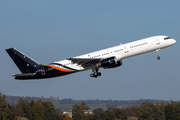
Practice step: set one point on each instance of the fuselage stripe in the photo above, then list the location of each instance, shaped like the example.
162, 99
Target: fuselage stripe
60, 69
64, 66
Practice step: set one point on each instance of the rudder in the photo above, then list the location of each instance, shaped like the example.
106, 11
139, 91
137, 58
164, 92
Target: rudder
23, 62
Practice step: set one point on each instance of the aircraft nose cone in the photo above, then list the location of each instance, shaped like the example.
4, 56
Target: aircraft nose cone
173, 41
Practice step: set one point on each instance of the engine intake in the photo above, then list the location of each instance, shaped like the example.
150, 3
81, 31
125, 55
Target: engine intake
110, 63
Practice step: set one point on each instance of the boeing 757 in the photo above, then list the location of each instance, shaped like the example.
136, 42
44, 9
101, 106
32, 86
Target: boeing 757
107, 58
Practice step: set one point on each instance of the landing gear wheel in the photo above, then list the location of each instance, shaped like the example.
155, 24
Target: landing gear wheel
95, 74
91, 75
158, 57
99, 74
158, 54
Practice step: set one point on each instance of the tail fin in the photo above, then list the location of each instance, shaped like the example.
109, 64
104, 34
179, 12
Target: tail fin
23, 62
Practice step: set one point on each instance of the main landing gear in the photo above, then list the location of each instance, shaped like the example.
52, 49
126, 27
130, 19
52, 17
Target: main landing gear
95, 73
158, 54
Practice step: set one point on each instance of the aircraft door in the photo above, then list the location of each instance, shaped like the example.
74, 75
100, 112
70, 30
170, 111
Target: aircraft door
42, 71
157, 41
126, 49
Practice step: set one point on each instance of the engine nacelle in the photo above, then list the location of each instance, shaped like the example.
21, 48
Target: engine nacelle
110, 63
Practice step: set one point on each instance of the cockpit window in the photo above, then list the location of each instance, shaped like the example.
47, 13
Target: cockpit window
166, 38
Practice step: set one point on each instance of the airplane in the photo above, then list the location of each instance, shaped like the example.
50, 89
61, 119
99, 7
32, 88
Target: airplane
107, 58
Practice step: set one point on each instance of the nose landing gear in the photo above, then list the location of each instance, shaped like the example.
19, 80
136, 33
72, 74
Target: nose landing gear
158, 54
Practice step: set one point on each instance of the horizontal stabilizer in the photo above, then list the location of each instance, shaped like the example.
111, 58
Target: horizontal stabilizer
24, 75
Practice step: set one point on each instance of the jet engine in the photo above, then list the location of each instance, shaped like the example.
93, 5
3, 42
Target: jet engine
110, 63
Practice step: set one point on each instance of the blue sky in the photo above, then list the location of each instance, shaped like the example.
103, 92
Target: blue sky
50, 31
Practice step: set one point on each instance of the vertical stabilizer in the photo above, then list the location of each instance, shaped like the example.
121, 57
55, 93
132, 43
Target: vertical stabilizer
23, 62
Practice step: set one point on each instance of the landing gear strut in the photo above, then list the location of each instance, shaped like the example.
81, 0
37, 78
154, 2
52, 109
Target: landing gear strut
95, 73
158, 54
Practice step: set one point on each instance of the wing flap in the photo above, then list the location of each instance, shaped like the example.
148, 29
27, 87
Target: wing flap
84, 61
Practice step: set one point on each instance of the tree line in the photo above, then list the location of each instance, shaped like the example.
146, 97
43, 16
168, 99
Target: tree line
40, 110
28, 110
13, 100
146, 111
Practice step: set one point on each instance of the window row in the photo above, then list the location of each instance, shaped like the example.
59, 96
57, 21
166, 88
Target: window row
118, 50
99, 55
138, 45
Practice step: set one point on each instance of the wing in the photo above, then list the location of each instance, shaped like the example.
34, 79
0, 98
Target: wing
84, 61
